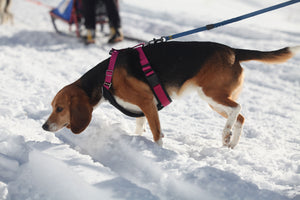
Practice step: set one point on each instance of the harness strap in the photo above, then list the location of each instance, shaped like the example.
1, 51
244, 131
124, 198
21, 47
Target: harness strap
110, 97
110, 70
159, 92
107, 84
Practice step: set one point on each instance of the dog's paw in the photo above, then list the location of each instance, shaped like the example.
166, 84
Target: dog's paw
226, 138
140, 125
234, 141
159, 142
139, 131
231, 145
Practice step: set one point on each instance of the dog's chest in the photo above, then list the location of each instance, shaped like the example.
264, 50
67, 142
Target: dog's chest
128, 106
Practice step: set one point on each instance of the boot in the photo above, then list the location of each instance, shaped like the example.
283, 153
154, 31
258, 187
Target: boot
116, 35
90, 36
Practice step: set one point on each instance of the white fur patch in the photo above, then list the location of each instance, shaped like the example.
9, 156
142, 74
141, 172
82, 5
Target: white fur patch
211, 102
236, 135
294, 50
159, 142
129, 106
53, 127
140, 125
232, 113
184, 90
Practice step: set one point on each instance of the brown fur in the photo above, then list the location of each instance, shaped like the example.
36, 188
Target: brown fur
76, 111
137, 92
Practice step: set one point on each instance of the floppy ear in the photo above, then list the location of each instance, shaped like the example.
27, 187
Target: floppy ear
80, 114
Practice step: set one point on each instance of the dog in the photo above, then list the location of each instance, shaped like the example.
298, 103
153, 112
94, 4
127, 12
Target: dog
5, 14
212, 69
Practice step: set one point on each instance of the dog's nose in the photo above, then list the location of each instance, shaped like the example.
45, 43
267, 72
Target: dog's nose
45, 127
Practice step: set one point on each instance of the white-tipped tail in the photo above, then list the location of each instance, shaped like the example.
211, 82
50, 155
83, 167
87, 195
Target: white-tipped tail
294, 50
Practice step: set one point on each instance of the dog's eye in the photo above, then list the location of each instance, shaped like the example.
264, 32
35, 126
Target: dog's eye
59, 109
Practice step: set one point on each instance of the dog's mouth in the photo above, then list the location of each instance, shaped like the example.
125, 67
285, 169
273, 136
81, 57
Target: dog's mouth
67, 125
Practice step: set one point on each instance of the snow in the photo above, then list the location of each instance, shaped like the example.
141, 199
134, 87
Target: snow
108, 161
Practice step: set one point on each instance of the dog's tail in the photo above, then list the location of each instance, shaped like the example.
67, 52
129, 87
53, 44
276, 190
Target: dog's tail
277, 56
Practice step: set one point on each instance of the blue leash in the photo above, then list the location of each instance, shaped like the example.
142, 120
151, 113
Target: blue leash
229, 21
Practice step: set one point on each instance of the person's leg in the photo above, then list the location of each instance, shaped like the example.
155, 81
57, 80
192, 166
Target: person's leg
114, 21
113, 13
88, 8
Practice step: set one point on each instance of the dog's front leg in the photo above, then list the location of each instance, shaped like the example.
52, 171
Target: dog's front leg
151, 113
138, 93
140, 125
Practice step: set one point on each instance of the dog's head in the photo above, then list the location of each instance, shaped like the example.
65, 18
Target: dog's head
71, 109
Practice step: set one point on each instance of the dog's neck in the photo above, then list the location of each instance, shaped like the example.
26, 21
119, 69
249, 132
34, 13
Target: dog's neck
91, 82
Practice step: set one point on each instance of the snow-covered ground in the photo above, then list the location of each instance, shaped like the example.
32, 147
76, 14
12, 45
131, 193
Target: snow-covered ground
107, 161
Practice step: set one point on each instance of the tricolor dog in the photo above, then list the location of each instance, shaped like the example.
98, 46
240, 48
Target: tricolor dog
211, 69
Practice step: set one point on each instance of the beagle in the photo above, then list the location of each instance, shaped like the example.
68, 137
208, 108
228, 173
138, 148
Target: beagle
5, 14
211, 69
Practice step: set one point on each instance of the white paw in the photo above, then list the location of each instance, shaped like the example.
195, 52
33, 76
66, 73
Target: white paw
234, 141
140, 125
139, 130
232, 144
226, 138
159, 142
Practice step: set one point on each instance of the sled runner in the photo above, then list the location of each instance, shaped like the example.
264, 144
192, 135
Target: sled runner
70, 12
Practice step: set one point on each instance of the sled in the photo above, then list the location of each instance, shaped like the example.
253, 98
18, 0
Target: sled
70, 12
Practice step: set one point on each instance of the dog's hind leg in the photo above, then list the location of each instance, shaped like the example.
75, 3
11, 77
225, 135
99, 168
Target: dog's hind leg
237, 130
230, 110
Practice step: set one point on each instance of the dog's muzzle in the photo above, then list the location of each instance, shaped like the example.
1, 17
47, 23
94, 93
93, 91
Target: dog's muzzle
45, 126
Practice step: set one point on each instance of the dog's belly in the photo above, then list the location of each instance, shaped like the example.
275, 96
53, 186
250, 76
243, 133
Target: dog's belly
174, 93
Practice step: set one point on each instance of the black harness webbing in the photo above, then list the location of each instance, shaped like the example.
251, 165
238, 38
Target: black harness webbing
109, 96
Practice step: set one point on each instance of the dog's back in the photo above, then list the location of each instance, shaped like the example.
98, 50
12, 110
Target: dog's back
174, 62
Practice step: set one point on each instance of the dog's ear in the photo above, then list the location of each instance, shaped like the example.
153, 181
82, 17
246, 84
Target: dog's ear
80, 113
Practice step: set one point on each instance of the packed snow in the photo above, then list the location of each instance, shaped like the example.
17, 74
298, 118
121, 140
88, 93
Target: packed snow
108, 161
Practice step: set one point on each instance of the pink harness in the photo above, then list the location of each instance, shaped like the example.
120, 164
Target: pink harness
159, 92
153, 80
110, 69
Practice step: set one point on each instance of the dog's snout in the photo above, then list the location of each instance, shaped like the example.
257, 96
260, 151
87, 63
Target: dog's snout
45, 126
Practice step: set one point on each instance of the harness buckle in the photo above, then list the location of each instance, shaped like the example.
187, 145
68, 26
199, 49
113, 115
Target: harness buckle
111, 51
107, 84
109, 72
155, 41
